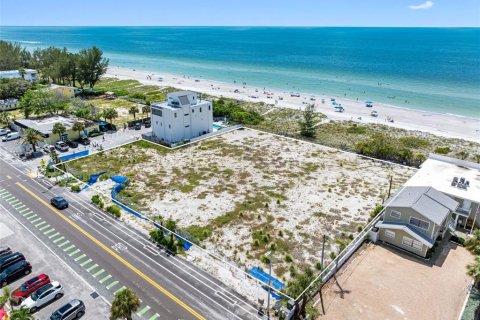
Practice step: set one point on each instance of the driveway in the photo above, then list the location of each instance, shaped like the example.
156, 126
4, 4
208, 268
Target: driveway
383, 283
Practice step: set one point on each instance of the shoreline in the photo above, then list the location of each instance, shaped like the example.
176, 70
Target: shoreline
441, 124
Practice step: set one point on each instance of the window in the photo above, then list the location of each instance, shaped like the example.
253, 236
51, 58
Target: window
187, 126
169, 126
200, 109
157, 112
175, 114
419, 223
193, 110
209, 107
389, 234
395, 214
409, 242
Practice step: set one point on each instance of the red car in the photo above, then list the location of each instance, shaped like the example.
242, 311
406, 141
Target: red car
29, 287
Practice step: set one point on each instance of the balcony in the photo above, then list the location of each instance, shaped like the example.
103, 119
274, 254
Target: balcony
464, 211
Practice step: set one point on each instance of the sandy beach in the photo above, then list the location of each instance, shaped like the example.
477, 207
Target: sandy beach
440, 124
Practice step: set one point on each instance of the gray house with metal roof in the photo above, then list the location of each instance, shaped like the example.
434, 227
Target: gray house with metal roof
415, 217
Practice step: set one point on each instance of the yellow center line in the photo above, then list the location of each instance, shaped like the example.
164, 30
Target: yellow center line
115, 255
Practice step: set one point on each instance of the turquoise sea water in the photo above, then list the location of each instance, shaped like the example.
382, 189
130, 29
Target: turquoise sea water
432, 69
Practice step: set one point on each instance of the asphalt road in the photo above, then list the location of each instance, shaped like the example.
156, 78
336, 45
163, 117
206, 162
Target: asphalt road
110, 256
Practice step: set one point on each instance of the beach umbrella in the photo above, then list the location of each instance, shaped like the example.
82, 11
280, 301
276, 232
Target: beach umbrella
369, 101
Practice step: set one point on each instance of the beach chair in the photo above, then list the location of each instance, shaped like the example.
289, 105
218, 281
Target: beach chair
454, 181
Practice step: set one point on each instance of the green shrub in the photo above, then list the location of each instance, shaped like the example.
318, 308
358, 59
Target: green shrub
356, 129
414, 142
442, 150
120, 92
114, 210
104, 177
265, 259
75, 188
318, 266
93, 134
96, 199
332, 255
200, 233
288, 258
376, 211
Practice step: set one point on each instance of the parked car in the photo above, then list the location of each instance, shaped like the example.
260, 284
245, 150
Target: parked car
8, 260
5, 251
15, 271
148, 124
138, 126
61, 146
59, 203
28, 287
46, 294
374, 113
4, 131
84, 140
72, 144
75, 309
48, 148
11, 136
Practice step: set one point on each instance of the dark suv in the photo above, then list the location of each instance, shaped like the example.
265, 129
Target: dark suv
75, 309
5, 251
15, 271
8, 260
59, 202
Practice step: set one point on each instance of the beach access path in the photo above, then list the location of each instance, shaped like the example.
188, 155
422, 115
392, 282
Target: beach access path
446, 125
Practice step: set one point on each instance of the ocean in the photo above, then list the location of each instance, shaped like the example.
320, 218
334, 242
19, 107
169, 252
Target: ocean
431, 69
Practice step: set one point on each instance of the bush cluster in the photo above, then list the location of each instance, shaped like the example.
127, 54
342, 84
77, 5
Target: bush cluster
236, 113
114, 210
96, 200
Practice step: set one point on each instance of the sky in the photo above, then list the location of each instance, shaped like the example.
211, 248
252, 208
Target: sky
383, 13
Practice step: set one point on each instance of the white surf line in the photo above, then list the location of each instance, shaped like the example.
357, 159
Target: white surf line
166, 269
58, 257
185, 264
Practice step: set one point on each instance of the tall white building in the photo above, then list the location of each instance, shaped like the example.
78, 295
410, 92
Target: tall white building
182, 117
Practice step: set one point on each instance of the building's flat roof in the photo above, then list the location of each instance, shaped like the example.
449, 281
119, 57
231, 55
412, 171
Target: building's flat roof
439, 171
44, 125
8, 101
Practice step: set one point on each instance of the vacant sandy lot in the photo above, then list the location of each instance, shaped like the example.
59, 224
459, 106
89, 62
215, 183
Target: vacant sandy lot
382, 283
246, 193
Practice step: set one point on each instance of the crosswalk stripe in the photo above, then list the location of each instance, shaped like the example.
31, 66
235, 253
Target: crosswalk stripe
74, 252
49, 231
23, 210
92, 267
18, 206
98, 273
69, 248
105, 279
141, 312
53, 235
31, 217
63, 243
80, 257
155, 316
120, 289
39, 224
44, 227
9, 198
113, 284
36, 220
85, 262
58, 239
28, 214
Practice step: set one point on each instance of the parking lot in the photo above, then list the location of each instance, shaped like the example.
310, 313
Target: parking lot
384, 283
18, 238
106, 141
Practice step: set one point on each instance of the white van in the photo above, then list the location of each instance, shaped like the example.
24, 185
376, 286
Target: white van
11, 136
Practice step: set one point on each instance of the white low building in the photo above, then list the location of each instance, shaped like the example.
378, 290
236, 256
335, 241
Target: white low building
29, 74
182, 117
9, 104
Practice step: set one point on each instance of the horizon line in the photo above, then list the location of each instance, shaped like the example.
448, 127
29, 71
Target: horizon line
235, 26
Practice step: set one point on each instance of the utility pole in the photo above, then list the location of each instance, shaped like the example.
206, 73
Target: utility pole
269, 284
390, 186
320, 291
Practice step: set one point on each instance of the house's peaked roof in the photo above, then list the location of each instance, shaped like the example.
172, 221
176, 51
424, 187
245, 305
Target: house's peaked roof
408, 229
427, 201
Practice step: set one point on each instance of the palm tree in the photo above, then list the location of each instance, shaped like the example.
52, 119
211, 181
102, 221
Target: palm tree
31, 137
6, 295
110, 114
146, 109
59, 128
124, 304
4, 117
473, 243
78, 126
21, 314
477, 157
133, 111
473, 269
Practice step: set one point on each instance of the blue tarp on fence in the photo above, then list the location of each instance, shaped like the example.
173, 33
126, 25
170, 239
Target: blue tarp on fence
93, 179
73, 155
264, 277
